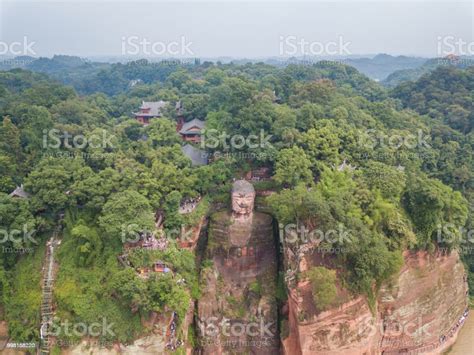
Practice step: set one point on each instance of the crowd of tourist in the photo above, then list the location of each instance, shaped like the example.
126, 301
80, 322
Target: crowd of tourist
173, 343
189, 205
150, 242
454, 329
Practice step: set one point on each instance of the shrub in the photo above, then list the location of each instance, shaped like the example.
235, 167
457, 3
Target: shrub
323, 282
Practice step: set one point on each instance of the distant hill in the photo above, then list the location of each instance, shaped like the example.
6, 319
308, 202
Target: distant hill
377, 68
382, 65
400, 76
56, 64
70, 70
444, 94
82, 73
42, 64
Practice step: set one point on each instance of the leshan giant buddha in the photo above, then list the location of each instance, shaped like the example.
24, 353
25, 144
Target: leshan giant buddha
242, 249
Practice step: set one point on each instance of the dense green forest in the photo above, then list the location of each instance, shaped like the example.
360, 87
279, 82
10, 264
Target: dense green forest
395, 167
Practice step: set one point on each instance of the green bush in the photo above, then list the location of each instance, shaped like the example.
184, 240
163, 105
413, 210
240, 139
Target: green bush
323, 283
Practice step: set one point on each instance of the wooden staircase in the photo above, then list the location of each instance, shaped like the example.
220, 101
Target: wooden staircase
47, 312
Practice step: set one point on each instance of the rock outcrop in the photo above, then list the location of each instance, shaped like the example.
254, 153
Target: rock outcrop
419, 311
237, 312
423, 309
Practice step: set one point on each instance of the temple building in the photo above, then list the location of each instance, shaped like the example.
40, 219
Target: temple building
191, 131
19, 192
345, 166
149, 110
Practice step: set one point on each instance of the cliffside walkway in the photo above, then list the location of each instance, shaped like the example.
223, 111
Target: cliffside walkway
420, 349
47, 312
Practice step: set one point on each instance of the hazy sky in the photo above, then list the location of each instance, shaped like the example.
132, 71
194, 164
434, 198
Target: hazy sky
230, 28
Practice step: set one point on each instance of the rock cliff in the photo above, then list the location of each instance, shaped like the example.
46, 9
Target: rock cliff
420, 311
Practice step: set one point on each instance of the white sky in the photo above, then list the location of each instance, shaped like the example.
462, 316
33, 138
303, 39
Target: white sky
231, 28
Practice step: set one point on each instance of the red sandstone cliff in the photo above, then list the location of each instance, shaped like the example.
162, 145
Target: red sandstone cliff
420, 311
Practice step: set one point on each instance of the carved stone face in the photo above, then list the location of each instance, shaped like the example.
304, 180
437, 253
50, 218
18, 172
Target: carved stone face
242, 203
243, 196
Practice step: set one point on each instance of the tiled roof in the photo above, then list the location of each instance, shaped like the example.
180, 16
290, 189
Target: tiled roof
198, 157
187, 127
154, 107
19, 192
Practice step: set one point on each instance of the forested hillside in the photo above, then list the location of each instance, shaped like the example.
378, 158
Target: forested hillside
395, 168
444, 95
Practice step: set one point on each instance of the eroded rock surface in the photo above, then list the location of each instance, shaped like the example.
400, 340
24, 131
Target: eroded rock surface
420, 311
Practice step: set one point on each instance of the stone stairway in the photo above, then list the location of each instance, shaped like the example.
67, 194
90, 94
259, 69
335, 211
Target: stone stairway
47, 312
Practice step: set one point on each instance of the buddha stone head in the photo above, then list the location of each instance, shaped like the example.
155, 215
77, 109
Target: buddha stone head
243, 196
